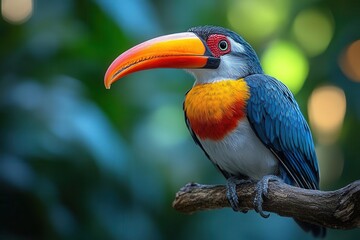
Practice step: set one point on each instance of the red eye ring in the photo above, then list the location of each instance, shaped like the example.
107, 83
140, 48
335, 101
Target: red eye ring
218, 44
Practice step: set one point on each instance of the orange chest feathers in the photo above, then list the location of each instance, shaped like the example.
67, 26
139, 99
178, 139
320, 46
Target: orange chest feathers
215, 109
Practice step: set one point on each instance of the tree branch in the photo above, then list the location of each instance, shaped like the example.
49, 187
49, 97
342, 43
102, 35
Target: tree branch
339, 209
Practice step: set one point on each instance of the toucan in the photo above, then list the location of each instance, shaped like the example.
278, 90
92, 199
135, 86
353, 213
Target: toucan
247, 123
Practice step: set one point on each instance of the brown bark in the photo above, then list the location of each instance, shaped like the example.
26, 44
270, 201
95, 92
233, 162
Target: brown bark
339, 209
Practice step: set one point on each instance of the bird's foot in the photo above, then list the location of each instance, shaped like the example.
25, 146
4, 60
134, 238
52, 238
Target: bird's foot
231, 193
262, 191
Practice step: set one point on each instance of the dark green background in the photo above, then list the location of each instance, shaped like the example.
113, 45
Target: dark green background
80, 162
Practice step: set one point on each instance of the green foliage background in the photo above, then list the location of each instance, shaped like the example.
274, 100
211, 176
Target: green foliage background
80, 162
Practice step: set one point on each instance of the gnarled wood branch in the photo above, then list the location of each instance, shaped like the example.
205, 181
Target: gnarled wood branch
339, 209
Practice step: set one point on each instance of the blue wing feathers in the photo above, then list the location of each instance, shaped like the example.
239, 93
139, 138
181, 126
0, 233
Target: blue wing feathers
277, 120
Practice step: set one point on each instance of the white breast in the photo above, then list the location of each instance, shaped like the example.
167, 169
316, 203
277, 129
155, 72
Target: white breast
242, 152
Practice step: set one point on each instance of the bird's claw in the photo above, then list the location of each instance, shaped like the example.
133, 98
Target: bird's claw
231, 193
262, 191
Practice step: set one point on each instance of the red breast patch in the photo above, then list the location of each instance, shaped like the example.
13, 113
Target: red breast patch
214, 109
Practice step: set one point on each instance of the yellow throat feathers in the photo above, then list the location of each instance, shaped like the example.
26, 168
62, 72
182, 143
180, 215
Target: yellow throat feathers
214, 109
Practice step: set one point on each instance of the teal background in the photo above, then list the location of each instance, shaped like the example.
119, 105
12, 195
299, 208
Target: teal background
78, 161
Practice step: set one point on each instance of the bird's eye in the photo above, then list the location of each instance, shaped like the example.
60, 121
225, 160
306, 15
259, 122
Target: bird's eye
223, 45
219, 44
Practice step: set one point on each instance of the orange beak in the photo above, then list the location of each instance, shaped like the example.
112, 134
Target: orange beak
180, 50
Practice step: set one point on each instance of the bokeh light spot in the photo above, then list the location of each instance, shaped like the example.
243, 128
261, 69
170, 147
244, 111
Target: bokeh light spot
16, 11
287, 63
313, 30
257, 19
350, 61
327, 107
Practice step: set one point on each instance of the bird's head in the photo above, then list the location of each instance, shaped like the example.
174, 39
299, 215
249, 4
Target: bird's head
210, 53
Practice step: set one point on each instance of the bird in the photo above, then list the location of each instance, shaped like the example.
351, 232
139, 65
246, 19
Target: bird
247, 123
